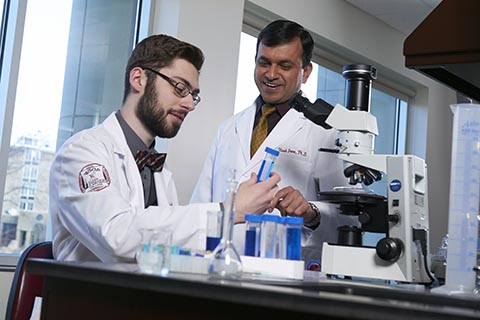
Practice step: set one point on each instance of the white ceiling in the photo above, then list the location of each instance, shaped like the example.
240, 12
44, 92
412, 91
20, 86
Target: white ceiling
402, 15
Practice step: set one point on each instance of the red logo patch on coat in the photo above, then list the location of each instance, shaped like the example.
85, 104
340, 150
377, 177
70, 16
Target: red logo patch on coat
93, 177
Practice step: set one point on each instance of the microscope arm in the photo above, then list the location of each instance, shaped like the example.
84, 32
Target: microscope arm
376, 162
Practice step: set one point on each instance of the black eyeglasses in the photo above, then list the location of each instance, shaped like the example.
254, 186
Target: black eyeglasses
180, 88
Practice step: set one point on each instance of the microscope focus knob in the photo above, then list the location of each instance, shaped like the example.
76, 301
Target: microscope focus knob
389, 249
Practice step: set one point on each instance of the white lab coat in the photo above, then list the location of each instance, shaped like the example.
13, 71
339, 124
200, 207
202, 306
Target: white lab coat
103, 225
299, 163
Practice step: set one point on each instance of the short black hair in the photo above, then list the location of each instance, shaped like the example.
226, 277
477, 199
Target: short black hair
159, 51
284, 31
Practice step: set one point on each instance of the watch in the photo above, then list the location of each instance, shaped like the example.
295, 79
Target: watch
315, 222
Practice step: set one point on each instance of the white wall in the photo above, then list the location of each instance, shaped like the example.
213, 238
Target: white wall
215, 26
5, 284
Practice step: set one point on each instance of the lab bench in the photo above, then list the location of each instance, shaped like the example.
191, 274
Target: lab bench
92, 290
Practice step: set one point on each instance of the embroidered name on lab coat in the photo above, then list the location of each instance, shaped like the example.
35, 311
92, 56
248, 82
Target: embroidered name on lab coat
93, 177
288, 150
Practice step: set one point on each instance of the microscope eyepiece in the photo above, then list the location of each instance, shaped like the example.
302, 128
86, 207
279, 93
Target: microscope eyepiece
359, 82
316, 112
298, 102
359, 70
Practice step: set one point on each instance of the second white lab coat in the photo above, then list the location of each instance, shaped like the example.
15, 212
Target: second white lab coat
299, 164
97, 203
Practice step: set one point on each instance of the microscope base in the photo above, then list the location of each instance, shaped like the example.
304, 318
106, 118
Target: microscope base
361, 262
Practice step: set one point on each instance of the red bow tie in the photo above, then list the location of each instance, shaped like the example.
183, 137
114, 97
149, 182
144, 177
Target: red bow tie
150, 159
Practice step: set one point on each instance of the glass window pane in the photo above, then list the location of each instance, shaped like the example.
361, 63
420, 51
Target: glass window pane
331, 86
384, 107
246, 89
70, 78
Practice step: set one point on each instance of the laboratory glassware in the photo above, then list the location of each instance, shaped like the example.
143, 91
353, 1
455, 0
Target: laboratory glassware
464, 201
225, 261
267, 164
269, 239
214, 229
154, 254
252, 234
293, 226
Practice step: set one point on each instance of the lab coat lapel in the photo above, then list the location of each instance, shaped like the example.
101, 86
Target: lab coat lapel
122, 150
243, 131
291, 123
165, 188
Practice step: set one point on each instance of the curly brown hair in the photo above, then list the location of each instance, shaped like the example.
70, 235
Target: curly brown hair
159, 51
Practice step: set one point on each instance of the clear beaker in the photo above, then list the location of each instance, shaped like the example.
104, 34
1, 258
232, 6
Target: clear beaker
154, 254
464, 201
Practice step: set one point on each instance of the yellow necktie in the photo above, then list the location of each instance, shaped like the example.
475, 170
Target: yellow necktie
261, 130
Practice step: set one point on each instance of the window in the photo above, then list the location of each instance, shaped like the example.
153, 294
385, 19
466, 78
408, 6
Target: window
63, 74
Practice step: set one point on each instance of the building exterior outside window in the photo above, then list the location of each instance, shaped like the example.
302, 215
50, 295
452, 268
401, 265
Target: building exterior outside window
69, 69
25, 202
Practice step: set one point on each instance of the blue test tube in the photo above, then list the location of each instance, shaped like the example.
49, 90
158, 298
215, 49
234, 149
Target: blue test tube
252, 235
267, 164
294, 237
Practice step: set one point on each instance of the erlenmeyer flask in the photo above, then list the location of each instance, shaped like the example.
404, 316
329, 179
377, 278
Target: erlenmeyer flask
225, 260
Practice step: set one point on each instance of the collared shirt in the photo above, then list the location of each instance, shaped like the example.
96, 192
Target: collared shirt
135, 143
274, 118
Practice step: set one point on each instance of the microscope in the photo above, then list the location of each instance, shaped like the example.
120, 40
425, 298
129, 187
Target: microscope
401, 217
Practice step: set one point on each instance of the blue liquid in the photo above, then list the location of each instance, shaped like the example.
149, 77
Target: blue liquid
263, 173
212, 243
250, 236
294, 249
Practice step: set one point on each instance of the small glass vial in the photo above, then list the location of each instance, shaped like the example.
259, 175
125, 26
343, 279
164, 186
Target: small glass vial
252, 235
293, 226
268, 241
267, 164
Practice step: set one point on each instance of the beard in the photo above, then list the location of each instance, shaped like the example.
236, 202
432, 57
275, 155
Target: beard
155, 119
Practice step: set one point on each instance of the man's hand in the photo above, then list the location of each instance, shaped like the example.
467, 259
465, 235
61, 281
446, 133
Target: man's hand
255, 198
290, 202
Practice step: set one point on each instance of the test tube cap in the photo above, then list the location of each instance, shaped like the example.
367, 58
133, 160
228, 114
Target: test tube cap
270, 217
276, 153
294, 220
253, 218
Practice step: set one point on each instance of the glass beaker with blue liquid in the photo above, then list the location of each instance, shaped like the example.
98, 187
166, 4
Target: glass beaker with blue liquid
267, 164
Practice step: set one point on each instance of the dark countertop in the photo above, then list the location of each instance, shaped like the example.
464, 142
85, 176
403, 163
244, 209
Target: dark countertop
315, 295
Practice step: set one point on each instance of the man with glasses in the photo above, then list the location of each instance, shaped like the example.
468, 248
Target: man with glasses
107, 182
282, 65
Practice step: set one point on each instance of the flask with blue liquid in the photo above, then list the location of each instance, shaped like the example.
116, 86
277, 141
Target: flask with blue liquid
267, 164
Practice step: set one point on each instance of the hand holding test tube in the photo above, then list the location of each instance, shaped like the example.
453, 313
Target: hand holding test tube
267, 164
